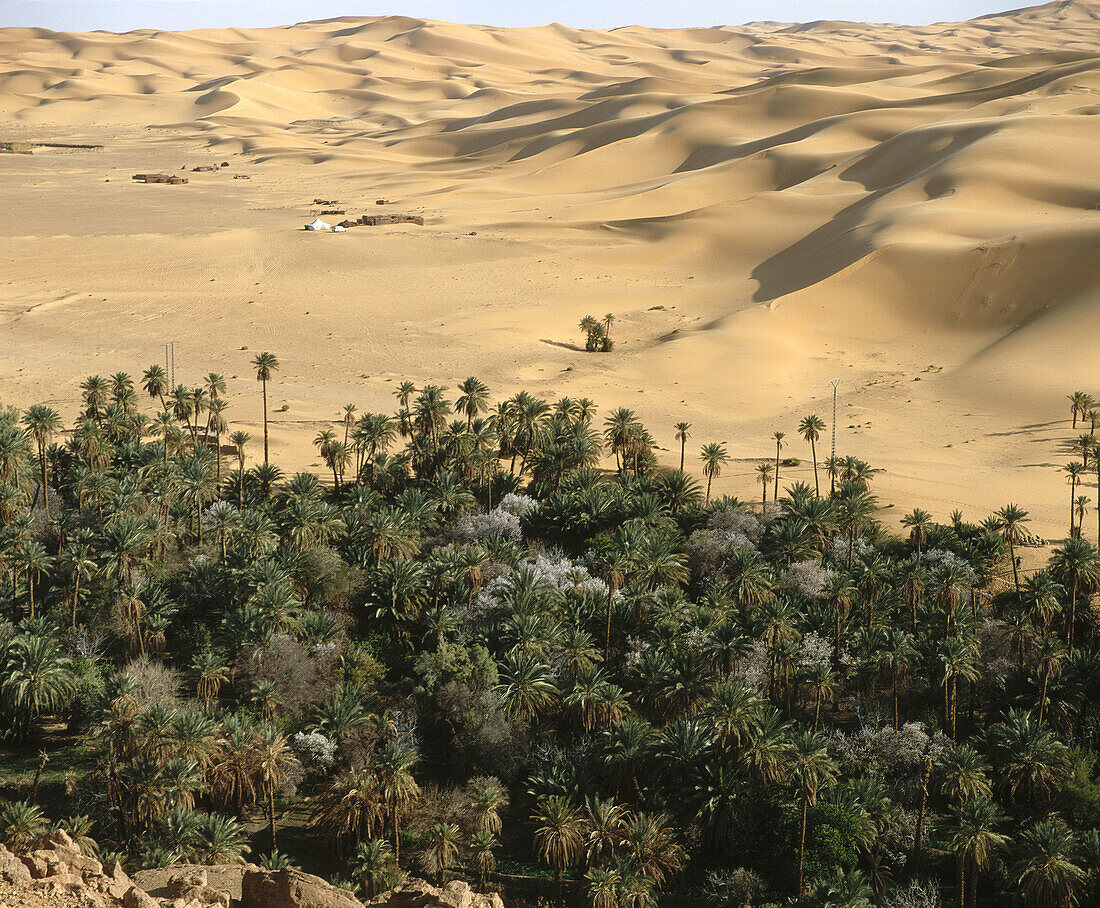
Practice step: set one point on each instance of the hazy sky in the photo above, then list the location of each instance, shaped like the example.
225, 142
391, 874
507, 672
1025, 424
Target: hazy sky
121, 15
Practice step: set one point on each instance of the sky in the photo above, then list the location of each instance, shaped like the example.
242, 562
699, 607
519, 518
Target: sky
123, 15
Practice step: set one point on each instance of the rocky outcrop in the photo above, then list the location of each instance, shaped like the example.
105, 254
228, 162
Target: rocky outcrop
292, 889
212, 884
12, 870
56, 873
415, 893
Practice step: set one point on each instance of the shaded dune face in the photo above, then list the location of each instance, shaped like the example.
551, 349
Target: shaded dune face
829, 187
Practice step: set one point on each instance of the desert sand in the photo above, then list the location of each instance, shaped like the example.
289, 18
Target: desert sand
913, 210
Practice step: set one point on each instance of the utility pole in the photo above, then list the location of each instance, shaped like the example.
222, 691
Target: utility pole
170, 363
834, 384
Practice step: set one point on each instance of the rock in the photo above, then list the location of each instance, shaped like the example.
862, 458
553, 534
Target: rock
62, 839
192, 878
61, 859
292, 889
118, 883
206, 896
13, 870
139, 898
414, 893
36, 864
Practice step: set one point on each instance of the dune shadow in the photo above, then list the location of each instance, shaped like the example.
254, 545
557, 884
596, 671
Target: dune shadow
564, 346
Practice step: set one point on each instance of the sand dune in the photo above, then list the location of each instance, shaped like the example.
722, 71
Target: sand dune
764, 208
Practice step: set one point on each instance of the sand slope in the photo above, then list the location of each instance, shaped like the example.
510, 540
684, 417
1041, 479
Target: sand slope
764, 208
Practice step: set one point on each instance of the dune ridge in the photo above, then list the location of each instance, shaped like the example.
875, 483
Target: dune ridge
764, 207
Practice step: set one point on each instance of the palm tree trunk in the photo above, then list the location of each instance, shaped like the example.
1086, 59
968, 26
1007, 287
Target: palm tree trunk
1043, 692
710, 478
972, 883
813, 454
1072, 495
1015, 570
961, 867
1072, 616
802, 843
76, 595
264, 383
45, 489
271, 814
775, 497
607, 641
683, 446
918, 840
396, 837
954, 704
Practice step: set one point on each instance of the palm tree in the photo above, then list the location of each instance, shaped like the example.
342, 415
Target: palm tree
94, 389
155, 383
1047, 872
778, 436
1011, 520
1080, 506
1073, 471
274, 760
32, 559
239, 439
43, 423
1042, 599
21, 823
714, 457
398, 789
604, 887
612, 564
37, 678
374, 864
473, 401
351, 808
812, 768
482, 846
959, 659
527, 685
1076, 565
266, 364
810, 429
845, 889
975, 842
220, 840
764, 469
1080, 403
487, 799
80, 561
441, 853
917, 522
1049, 658
216, 423
211, 672
895, 659
965, 774
559, 833
682, 435
1027, 756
